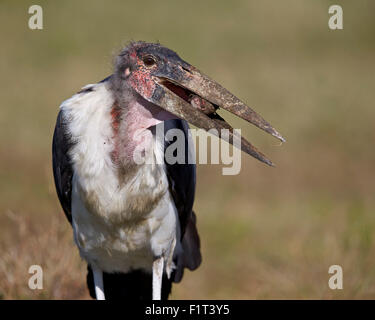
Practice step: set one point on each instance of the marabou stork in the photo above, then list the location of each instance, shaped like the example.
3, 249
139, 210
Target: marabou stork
134, 223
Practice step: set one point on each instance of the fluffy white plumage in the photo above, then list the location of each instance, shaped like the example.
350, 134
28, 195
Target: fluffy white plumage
113, 229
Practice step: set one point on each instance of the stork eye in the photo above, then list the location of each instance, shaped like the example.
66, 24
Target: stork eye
149, 61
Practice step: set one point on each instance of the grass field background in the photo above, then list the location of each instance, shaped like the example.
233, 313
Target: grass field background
265, 233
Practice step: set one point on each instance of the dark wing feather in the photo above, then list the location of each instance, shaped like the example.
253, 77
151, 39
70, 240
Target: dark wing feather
62, 168
182, 181
182, 177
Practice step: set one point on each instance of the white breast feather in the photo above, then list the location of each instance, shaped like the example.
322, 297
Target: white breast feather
117, 226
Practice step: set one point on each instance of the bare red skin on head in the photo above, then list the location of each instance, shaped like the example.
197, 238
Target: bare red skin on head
133, 54
141, 79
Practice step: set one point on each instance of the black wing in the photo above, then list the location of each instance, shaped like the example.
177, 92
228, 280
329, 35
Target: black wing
62, 168
182, 181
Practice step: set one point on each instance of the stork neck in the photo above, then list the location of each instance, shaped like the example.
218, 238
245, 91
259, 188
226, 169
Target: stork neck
131, 124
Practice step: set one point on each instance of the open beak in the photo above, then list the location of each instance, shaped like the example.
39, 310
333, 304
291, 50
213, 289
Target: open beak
194, 97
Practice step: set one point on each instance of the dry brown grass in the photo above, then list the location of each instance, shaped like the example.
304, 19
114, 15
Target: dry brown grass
49, 246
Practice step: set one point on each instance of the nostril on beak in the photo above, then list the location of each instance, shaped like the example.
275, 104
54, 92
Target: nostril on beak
185, 69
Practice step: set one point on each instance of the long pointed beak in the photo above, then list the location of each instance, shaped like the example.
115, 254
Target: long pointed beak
174, 94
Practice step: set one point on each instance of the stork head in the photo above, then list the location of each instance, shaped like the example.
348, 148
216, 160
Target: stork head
160, 76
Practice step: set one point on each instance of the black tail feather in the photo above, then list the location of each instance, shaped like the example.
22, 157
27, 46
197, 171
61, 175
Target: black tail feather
190, 257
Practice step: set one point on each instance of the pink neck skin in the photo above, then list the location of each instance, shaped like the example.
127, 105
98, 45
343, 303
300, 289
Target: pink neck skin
132, 130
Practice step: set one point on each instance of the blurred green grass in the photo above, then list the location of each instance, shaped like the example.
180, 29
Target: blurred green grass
266, 233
